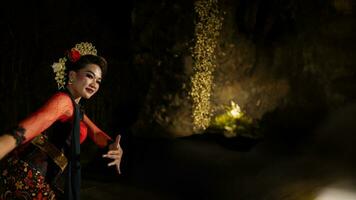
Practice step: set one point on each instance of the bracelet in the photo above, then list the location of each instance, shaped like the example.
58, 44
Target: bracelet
19, 134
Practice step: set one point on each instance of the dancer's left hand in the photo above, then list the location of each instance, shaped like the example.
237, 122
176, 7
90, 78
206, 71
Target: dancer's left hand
115, 152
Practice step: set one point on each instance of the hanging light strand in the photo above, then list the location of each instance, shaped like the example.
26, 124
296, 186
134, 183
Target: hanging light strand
207, 31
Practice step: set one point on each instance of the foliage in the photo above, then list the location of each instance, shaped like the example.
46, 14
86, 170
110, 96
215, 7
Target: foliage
234, 123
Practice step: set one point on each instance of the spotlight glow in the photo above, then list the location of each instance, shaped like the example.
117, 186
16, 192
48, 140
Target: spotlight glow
336, 194
235, 111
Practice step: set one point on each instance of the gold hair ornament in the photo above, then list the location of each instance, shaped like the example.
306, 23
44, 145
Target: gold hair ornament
59, 68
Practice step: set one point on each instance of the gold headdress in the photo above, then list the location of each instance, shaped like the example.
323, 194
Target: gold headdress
59, 68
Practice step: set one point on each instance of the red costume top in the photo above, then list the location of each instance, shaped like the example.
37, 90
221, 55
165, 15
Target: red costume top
41, 164
60, 107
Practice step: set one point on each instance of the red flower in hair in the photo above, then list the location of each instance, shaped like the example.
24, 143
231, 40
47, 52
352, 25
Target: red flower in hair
74, 55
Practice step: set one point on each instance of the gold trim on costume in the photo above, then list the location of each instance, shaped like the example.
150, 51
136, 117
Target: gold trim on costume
52, 151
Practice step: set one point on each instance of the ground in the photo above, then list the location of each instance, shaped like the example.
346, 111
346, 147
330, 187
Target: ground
203, 168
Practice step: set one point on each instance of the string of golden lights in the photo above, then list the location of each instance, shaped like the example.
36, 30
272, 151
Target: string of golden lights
207, 31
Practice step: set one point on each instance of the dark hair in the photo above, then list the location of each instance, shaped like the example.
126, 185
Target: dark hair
86, 60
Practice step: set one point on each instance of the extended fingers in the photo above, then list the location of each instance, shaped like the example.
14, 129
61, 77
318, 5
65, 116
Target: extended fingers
112, 156
115, 146
114, 152
117, 141
116, 162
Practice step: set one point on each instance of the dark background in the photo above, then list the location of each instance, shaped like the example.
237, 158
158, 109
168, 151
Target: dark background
295, 55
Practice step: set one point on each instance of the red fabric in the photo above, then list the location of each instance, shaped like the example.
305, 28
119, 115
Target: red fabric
83, 132
96, 134
60, 107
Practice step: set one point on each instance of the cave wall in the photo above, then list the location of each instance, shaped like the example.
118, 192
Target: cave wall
286, 63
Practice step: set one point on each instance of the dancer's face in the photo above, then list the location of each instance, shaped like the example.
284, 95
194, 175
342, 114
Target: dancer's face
86, 81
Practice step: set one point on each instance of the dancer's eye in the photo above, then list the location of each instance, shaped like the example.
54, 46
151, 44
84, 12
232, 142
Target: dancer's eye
89, 76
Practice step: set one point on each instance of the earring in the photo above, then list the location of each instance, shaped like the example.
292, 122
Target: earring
70, 81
